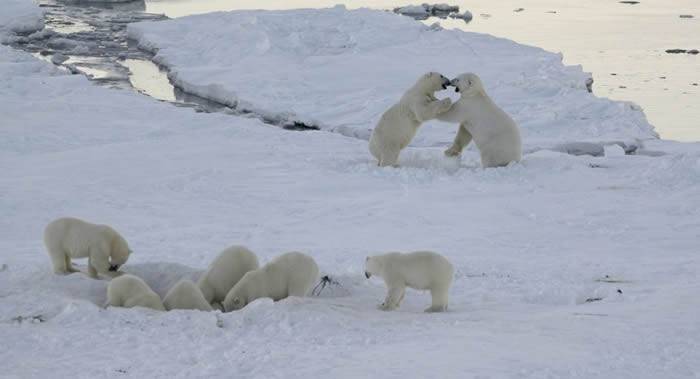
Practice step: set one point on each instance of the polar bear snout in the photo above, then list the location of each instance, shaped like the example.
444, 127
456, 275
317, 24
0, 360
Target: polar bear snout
445, 82
113, 268
454, 83
367, 275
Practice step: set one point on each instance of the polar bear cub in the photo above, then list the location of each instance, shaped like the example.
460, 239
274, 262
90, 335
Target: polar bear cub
186, 295
69, 238
225, 271
421, 270
399, 124
130, 291
290, 274
494, 132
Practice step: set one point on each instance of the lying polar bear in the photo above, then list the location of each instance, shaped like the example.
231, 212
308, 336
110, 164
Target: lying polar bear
290, 274
186, 295
421, 270
69, 238
494, 132
225, 271
399, 124
130, 291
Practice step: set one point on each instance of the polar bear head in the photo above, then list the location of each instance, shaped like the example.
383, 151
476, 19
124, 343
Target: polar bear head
239, 296
119, 252
373, 266
431, 82
468, 84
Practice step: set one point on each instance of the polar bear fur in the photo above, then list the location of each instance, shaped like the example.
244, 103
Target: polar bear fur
290, 274
494, 132
399, 124
186, 295
130, 291
69, 238
421, 270
225, 271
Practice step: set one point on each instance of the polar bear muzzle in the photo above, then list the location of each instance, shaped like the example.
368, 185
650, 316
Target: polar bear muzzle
113, 268
453, 83
367, 275
445, 82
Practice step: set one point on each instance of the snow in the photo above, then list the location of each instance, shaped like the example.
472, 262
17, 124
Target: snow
341, 69
19, 16
534, 244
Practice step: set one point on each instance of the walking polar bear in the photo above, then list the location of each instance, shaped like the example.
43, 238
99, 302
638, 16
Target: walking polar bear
225, 271
186, 295
130, 291
399, 124
494, 132
290, 274
69, 238
421, 270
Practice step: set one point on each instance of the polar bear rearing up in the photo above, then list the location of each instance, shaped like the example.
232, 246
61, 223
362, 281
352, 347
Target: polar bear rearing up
494, 132
399, 124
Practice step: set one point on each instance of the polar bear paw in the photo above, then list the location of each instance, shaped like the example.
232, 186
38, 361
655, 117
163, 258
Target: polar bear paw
444, 105
385, 307
441, 308
453, 151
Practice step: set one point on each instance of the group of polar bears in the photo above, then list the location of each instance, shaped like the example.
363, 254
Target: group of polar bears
494, 132
235, 278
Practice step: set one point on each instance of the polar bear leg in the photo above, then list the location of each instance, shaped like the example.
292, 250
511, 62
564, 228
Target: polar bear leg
431, 110
69, 266
439, 296
393, 298
58, 260
461, 140
92, 272
389, 157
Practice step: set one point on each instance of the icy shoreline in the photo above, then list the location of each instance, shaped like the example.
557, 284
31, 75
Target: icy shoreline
241, 58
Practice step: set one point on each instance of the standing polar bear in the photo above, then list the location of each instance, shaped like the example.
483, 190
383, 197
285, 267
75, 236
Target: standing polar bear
421, 270
290, 274
130, 291
225, 271
399, 124
186, 295
494, 132
69, 238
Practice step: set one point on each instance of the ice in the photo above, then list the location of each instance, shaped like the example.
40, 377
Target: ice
534, 244
340, 69
19, 16
614, 151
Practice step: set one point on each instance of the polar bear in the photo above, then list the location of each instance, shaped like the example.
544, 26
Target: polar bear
68, 238
399, 124
421, 270
130, 291
186, 295
225, 271
290, 274
494, 132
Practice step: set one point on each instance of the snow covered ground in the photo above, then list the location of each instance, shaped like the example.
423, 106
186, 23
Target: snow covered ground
341, 69
534, 244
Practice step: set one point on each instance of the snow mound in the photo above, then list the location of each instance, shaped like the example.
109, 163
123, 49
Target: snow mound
341, 69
